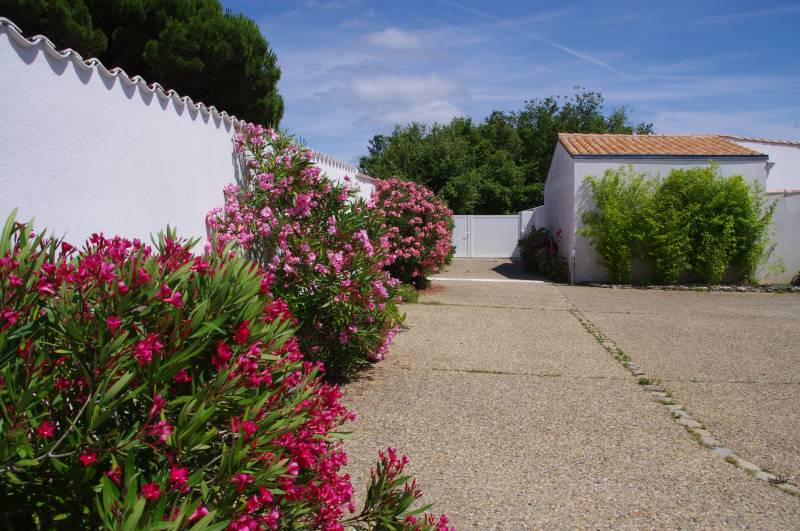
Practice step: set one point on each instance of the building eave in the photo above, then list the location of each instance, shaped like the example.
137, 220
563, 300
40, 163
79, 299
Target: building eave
743, 158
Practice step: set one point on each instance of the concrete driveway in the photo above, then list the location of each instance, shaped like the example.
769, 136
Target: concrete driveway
515, 417
732, 359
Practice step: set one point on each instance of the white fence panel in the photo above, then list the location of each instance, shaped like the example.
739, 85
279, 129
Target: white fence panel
486, 236
494, 236
461, 236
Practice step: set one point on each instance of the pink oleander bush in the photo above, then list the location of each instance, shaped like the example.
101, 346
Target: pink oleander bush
420, 228
325, 249
150, 388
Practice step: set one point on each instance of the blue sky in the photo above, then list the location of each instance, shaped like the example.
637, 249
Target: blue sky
353, 68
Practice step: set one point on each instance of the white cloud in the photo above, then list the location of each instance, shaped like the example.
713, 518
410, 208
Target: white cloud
395, 39
747, 15
331, 4
406, 88
429, 112
365, 19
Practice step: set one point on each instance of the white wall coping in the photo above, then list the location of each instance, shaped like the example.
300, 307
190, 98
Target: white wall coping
70, 55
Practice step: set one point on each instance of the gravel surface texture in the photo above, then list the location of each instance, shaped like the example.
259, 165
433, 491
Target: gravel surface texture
516, 418
733, 359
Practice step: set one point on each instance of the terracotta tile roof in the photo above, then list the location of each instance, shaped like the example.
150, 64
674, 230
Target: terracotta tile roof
795, 143
604, 145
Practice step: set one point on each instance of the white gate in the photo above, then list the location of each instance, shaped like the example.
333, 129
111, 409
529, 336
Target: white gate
486, 236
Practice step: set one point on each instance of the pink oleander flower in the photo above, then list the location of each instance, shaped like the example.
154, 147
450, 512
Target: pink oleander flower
151, 491
178, 478
161, 430
242, 333
182, 376
198, 513
113, 323
241, 480
158, 405
88, 458
46, 430
170, 297
115, 475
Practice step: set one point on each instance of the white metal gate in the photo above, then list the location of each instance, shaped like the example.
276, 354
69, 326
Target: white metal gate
486, 236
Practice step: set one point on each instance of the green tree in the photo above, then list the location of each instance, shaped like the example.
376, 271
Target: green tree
499, 165
66, 22
191, 46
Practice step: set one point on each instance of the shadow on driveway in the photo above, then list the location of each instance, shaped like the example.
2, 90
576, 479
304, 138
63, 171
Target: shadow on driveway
488, 268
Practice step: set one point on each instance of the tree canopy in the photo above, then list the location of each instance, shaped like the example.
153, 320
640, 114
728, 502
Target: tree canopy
497, 166
192, 46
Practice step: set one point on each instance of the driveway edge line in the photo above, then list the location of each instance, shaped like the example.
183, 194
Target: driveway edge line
681, 417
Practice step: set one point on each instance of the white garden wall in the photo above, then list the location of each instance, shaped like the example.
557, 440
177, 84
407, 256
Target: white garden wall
338, 171
85, 149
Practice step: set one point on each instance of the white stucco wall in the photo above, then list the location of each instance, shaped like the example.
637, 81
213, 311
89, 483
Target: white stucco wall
785, 159
83, 149
337, 170
559, 199
786, 235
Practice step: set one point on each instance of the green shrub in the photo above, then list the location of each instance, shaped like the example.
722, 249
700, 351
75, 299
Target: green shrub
706, 223
694, 220
615, 227
408, 293
539, 251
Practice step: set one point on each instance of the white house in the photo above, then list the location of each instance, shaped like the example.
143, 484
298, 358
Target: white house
784, 158
578, 156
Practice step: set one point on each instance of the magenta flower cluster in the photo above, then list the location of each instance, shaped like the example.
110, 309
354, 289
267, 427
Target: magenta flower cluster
420, 229
325, 250
145, 385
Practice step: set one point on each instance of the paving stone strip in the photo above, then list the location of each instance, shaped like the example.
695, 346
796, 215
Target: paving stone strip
763, 288
677, 411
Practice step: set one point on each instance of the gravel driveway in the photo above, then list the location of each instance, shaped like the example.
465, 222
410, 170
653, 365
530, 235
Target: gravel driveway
515, 418
732, 359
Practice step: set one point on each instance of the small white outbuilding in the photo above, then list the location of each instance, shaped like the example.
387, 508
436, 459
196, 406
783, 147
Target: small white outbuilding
578, 156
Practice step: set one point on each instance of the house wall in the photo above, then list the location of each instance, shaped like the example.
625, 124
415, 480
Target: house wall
785, 173
559, 200
786, 235
587, 262
532, 218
